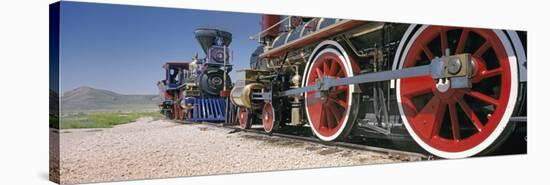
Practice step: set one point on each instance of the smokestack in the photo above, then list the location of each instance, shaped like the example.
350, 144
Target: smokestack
207, 36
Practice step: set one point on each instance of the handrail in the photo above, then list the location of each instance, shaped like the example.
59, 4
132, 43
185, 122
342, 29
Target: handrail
253, 37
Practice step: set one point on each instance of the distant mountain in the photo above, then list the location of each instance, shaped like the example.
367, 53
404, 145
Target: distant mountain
88, 99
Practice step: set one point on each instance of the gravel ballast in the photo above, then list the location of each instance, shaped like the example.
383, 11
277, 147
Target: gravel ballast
159, 149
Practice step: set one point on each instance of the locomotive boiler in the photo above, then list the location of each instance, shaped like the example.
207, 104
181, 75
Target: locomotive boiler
455, 91
196, 91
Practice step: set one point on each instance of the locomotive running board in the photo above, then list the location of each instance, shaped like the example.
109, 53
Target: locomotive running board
456, 68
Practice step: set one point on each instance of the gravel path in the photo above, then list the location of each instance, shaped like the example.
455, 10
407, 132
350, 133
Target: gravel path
159, 149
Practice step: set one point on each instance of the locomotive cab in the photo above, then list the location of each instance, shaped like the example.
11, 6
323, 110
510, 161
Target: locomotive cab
175, 74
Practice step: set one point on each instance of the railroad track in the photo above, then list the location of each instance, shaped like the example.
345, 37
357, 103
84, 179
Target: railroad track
304, 136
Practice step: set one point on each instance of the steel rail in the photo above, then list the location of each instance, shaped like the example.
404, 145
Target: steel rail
380, 150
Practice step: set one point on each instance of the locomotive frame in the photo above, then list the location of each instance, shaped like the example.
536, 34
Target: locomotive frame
455, 91
469, 84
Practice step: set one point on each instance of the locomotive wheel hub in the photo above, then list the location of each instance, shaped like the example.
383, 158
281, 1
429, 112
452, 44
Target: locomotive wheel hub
443, 85
454, 66
443, 88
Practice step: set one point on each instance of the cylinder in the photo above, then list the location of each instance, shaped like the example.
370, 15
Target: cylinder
267, 22
242, 95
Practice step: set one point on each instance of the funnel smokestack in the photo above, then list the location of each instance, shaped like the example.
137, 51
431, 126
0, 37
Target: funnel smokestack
207, 37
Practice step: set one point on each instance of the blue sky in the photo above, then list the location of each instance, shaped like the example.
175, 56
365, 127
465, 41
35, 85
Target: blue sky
122, 48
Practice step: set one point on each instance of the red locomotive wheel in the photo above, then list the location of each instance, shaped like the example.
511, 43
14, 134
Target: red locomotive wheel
268, 119
329, 113
455, 123
244, 120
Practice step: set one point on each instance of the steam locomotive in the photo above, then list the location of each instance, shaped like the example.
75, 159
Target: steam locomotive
456, 91
194, 91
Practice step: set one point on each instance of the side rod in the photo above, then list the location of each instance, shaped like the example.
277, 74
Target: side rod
327, 82
456, 68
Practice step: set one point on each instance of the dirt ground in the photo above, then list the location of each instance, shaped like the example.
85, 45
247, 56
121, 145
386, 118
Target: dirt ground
158, 149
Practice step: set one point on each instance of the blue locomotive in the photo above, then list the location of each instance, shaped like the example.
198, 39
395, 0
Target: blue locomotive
196, 91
